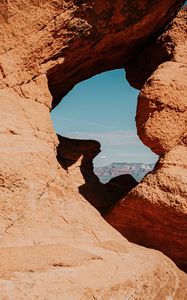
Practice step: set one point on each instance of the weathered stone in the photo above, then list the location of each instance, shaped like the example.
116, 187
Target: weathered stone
120, 186
162, 108
154, 214
53, 243
76, 156
75, 149
169, 46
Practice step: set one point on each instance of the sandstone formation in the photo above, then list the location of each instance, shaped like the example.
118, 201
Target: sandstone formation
76, 156
53, 243
72, 150
169, 46
120, 186
154, 214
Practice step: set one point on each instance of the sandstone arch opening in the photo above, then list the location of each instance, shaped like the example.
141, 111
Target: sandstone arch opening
87, 56
102, 108
53, 243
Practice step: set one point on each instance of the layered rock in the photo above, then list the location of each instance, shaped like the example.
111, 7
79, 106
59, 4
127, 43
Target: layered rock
154, 214
53, 243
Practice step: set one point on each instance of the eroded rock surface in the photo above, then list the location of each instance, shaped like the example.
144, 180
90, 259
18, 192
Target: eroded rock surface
76, 156
72, 40
120, 186
53, 243
154, 214
169, 46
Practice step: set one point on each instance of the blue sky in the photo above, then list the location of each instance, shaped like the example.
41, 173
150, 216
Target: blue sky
103, 108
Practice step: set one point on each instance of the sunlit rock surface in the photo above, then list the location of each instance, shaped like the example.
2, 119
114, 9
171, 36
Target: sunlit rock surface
53, 243
154, 214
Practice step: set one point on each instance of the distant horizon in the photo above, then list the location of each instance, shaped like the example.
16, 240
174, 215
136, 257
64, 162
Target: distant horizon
129, 163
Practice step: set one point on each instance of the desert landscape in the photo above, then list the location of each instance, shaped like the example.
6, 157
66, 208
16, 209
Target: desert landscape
64, 235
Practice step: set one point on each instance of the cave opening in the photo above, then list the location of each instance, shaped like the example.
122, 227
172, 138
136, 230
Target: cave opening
102, 109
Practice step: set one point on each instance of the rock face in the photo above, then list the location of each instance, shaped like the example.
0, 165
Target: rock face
70, 41
120, 186
53, 243
154, 214
76, 156
70, 151
169, 46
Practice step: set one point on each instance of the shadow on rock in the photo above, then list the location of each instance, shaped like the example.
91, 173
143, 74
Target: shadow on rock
76, 157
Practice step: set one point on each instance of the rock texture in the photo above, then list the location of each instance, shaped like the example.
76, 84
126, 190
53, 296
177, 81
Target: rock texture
161, 112
53, 243
154, 214
169, 46
120, 186
72, 40
76, 156
162, 108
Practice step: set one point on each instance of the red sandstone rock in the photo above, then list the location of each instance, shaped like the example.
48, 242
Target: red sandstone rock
171, 45
76, 156
53, 243
120, 186
74, 149
154, 214
162, 108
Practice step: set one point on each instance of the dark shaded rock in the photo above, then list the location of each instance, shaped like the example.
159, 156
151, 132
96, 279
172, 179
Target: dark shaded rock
154, 214
120, 186
160, 50
76, 157
73, 149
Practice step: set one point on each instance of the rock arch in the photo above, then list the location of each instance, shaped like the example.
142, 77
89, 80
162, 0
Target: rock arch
51, 45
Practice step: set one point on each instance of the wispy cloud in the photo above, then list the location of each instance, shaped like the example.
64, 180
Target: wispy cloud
68, 121
130, 154
116, 146
108, 138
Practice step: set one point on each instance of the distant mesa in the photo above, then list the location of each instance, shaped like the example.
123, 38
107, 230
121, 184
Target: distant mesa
137, 170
